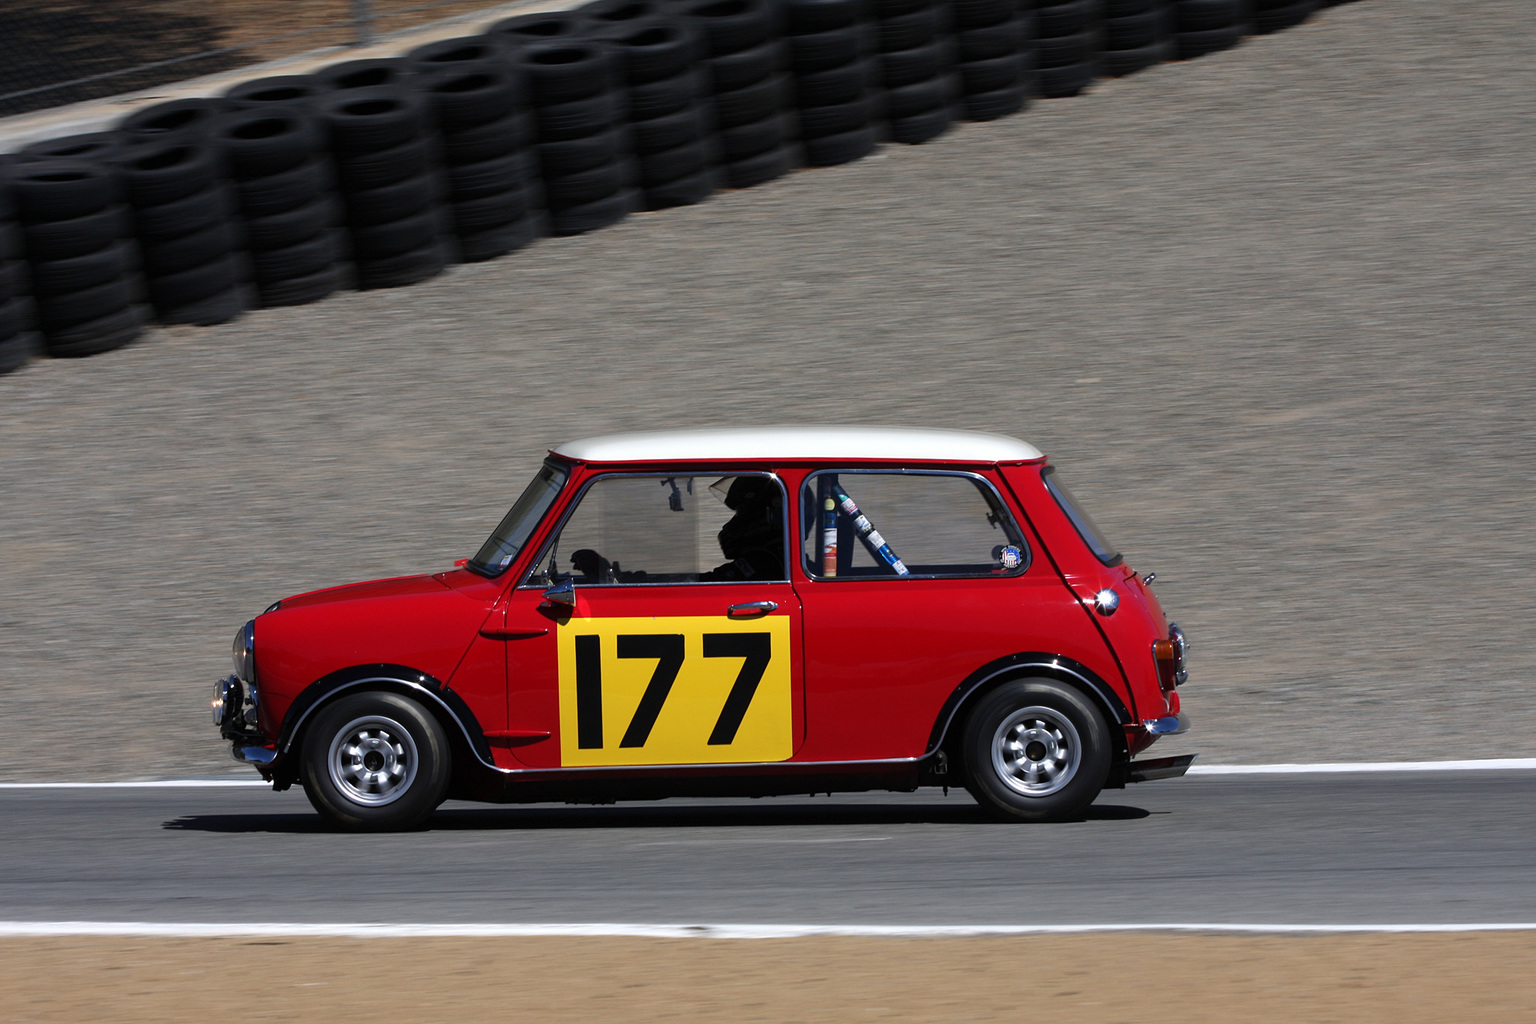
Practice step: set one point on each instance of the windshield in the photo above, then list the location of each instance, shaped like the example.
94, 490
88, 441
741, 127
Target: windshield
1086, 527
502, 546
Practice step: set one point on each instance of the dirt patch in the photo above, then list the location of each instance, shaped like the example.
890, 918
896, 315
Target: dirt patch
1147, 978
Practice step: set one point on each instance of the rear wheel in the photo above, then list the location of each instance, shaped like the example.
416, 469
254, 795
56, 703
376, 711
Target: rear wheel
1036, 750
375, 762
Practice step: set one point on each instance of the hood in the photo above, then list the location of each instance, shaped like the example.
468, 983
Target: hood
398, 586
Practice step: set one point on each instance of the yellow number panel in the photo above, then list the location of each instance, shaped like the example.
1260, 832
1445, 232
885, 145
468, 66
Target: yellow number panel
681, 690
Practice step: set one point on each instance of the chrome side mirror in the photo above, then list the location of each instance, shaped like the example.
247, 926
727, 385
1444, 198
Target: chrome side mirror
563, 593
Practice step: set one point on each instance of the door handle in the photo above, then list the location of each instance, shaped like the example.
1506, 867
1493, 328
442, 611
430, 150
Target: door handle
751, 609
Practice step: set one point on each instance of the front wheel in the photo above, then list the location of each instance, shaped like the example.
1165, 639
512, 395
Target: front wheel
1036, 750
375, 762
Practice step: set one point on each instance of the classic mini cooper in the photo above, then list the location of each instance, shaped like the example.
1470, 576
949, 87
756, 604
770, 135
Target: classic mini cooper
730, 612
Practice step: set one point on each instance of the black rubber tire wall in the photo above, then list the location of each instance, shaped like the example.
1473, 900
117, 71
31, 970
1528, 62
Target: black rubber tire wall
832, 36
919, 75
1069, 40
995, 57
1136, 35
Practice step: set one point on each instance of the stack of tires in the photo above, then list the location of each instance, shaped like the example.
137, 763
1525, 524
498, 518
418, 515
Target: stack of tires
915, 68
1205, 26
1069, 45
588, 173
297, 92
486, 132
831, 50
670, 125
1275, 15
531, 29
285, 189
18, 342
102, 147
1136, 36
387, 171
371, 73
994, 56
182, 120
743, 63
84, 269
190, 247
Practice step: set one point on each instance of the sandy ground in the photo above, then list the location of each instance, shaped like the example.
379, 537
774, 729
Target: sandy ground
1271, 311
1146, 979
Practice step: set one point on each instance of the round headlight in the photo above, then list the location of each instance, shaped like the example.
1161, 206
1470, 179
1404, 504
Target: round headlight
243, 652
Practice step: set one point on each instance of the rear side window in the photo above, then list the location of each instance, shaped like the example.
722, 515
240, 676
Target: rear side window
867, 525
1102, 549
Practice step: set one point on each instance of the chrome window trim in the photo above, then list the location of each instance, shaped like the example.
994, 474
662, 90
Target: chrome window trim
1024, 566
576, 501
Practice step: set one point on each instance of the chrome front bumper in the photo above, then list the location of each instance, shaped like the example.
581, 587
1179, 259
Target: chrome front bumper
234, 707
1173, 725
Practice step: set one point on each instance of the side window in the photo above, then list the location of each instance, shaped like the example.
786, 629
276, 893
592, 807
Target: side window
639, 529
864, 525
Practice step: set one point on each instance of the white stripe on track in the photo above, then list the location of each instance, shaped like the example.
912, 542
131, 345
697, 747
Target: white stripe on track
146, 929
1486, 764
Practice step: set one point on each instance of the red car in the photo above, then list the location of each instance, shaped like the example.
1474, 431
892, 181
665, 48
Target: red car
730, 612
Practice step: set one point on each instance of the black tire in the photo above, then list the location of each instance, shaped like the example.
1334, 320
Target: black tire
667, 165
666, 96
461, 50
471, 181
989, 106
839, 85
492, 139
474, 95
990, 75
817, 122
905, 31
298, 291
572, 156
1279, 18
16, 349
59, 310
402, 199
368, 121
159, 173
491, 212
307, 258
1068, 19
981, 13
1198, 44
1121, 8
13, 244
1065, 51
759, 168
695, 188
906, 67
1067, 81
173, 255
369, 73
570, 71
685, 126
730, 26
748, 140
818, 51
405, 741
63, 239
259, 143
622, 13
298, 92
195, 284
589, 186
916, 129
1128, 62
846, 147
182, 120
497, 241
893, 8
215, 309
986, 43
528, 29
1134, 32
581, 117
738, 70
1207, 15
804, 16
59, 277
385, 241
1036, 750
386, 166
92, 337
276, 193
919, 98
751, 103
578, 220
655, 50
291, 227
53, 190
102, 147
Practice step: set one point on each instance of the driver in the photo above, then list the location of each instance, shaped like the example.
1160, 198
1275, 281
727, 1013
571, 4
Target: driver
753, 538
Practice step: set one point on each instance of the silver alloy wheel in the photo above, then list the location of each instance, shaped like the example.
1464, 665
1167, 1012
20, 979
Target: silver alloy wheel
1036, 751
373, 760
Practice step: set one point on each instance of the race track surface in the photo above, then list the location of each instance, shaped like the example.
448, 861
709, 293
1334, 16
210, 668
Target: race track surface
1347, 849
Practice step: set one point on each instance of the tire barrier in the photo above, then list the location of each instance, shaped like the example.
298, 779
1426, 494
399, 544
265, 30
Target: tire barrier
996, 57
1070, 42
1205, 26
665, 99
1136, 35
281, 190
487, 132
915, 68
385, 151
588, 173
743, 60
190, 247
83, 267
285, 191
832, 46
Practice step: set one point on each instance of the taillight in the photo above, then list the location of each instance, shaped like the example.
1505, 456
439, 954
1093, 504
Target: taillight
1169, 656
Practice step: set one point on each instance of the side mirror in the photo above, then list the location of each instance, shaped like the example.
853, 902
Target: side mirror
563, 593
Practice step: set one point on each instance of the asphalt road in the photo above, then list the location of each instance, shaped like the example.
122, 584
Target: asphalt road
1350, 849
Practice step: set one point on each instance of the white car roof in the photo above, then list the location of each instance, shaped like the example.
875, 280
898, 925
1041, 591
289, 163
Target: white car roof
802, 442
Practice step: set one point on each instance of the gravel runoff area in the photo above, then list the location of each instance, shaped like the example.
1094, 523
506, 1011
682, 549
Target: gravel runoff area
1270, 310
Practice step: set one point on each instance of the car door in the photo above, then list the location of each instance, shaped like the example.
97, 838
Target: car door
670, 650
